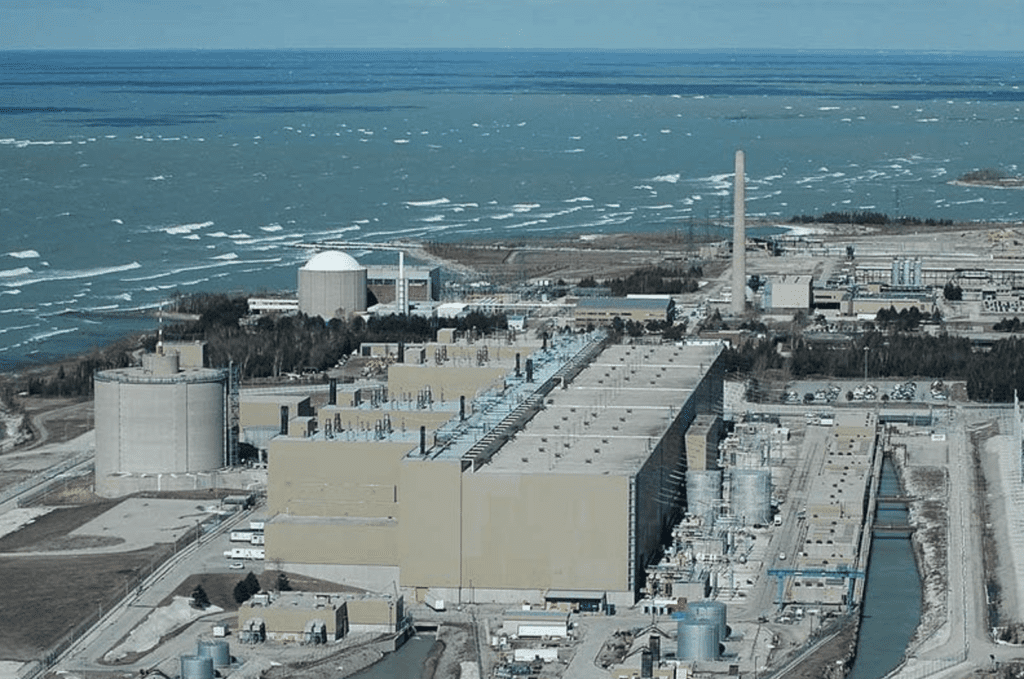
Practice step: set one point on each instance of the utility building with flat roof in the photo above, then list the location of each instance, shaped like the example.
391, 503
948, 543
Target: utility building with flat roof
565, 476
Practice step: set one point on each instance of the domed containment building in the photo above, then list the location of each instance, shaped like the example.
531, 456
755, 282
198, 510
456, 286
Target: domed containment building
332, 285
158, 427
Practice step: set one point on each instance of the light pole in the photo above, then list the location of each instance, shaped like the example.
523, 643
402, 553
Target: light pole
866, 349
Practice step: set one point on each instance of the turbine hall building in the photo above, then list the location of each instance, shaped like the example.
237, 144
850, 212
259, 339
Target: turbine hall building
563, 478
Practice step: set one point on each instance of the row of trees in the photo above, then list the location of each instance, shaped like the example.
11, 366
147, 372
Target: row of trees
867, 218
654, 280
991, 376
270, 347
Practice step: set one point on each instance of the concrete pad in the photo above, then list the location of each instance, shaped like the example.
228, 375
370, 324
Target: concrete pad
143, 522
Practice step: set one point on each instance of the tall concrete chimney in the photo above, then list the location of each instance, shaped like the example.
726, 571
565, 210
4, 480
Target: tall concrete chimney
739, 240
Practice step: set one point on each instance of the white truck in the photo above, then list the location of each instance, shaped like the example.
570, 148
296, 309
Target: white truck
256, 525
245, 553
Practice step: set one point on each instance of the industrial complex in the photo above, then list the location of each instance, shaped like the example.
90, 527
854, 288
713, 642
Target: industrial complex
575, 500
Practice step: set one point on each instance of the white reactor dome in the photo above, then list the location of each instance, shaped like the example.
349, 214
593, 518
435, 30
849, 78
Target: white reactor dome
333, 260
332, 284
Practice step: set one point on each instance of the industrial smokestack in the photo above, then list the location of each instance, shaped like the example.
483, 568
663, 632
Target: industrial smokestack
462, 407
739, 240
529, 370
332, 395
423, 441
517, 365
284, 420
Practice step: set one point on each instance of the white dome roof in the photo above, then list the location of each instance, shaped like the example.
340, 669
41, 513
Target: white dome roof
333, 260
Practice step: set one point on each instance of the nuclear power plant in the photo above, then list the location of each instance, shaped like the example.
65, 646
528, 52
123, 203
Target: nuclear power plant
559, 479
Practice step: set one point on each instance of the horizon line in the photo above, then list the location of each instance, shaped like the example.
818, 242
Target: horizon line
745, 50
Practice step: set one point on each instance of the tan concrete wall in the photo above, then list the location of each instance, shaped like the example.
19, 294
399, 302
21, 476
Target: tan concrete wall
359, 543
333, 478
430, 499
264, 412
545, 530
375, 611
446, 383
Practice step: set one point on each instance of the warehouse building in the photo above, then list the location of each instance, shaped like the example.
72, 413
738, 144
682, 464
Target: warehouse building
423, 284
562, 475
601, 311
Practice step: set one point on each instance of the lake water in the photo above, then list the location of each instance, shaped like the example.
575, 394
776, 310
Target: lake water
128, 176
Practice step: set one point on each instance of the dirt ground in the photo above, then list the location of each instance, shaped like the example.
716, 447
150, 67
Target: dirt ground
832, 660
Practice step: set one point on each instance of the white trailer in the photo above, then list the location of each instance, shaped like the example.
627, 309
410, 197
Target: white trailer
257, 539
245, 553
257, 525
241, 536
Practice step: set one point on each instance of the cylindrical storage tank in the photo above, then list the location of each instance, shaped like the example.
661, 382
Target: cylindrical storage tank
751, 497
332, 285
217, 649
158, 424
703, 493
710, 611
196, 667
697, 640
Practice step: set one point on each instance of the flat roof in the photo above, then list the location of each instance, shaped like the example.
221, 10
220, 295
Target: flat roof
611, 416
656, 303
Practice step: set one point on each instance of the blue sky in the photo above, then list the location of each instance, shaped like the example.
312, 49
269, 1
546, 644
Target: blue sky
957, 25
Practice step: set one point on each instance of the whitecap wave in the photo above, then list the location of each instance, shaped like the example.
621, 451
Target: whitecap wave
53, 333
75, 274
525, 207
226, 257
669, 178
579, 199
23, 254
186, 228
427, 203
505, 215
270, 228
401, 141
11, 273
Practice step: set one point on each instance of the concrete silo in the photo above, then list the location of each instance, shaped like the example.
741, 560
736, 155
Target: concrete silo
752, 496
155, 420
697, 640
332, 285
